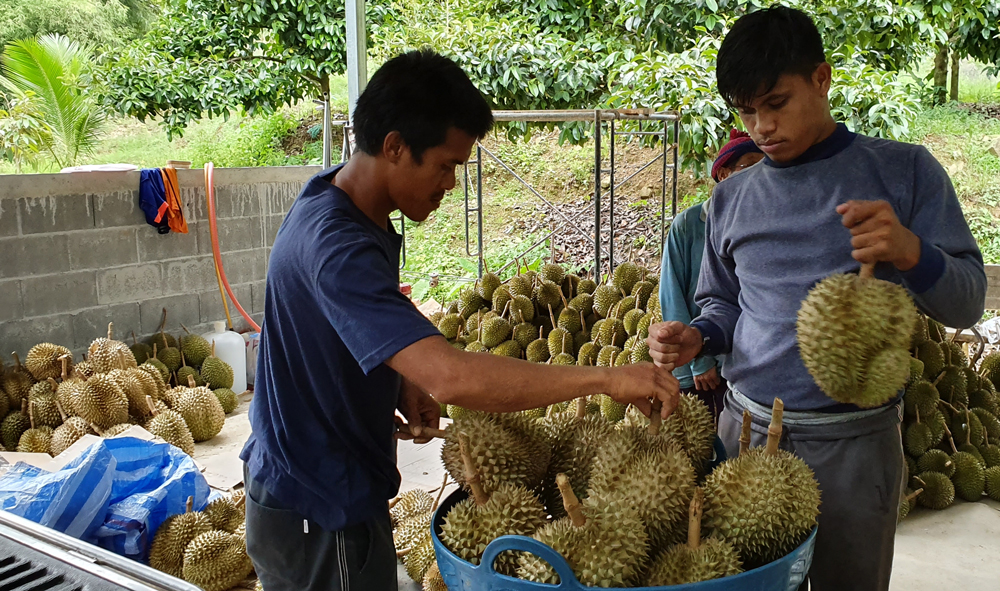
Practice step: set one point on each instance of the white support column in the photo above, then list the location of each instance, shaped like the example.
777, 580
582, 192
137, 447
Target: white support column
357, 52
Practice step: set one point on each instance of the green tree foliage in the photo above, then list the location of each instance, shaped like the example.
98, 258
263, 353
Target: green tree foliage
57, 72
205, 57
94, 22
23, 133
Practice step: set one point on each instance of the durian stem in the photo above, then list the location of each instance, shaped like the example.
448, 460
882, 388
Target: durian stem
583, 322
185, 328
163, 320
31, 413
581, 407
111, 330
472, 476
402, 553
422, 431
24, 406
154, 350
774, 429
17, 360
914, 494
64, 359
191, 382
62, 413
190, 500
694, 519
552, 317
212, 354
97, 429
52, 382
968, 432
951, 439
241, 501
745, 432
570, 502
954, 337
152, 407
393, 501
655, 420
867, 271
444, 485
134, 342
183, 361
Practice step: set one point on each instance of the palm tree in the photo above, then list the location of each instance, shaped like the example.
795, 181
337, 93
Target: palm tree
56, 70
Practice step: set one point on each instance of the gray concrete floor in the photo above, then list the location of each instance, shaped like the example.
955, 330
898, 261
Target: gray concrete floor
955, 549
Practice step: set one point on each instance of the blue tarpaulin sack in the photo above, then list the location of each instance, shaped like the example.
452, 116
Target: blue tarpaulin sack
115, 495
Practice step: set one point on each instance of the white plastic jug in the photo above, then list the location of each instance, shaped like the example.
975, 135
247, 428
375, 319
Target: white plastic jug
231, 348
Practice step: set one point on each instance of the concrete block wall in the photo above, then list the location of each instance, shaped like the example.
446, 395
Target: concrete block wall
76, 253
993, 288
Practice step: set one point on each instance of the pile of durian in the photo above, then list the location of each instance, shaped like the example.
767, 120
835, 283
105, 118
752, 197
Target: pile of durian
50, 402
624, 503
205, 548
555, 317
951, 431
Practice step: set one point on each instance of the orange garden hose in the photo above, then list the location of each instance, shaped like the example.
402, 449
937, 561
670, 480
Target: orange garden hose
220, 273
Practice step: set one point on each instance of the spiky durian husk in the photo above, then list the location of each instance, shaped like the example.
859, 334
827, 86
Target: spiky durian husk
764, 505
681, 565
42, 361
101, 402
504, 448
216, 561
952, 385
420, 559
224, 514
611, 409
843, 325
116, 430
106, 355
411, 530
68, 433
989, 368
691, 426
36, 441
930, 354
16, 382
410, 503
195, 349
433, 580
920, 396
575, 443
13, 426
969, 479
935, 460
167, 551
939, 492
469, 528
649, 475
170, 426
992, 481
202, 413
610, 550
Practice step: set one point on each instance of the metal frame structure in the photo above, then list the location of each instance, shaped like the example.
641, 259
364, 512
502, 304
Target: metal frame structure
601, 117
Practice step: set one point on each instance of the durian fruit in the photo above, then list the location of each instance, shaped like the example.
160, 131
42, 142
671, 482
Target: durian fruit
990, 424
186, 371
68, 389
524, 334
929, 353
552, 272
626, 275
612, 410
106, 354
166, 554
522, 309
202, 413
216, 561
408, 504
906, 503
501, 297
141, 351
583, 303
939, 492
951, 385
65, 435
115, 430
968, 478
587, 286
170, 357
638, 470
991, 455
433, 580
504, 447
216, 372
631, 321
992, 480
84, 369
938, 424
605, 545
507, 349
42, 361
936, 330
36, 440
170, 426
917, 438
762, 532
966, 427
101, 402
605, 297
42, 397
613, 332
161, 335
487, 285
916, 370
16, 382
575, 439
159, 366
194, 348
985, 400
469, 303
537, 350
587, 355
476, 347
4, 401
476, 521
227, 398
224, 514
690, 425
989, 368
419, 558
697, 560
935, 460
954, 354
642, 291
920, 395
494, 331
14, 425
136, 385
547, 294
410, 532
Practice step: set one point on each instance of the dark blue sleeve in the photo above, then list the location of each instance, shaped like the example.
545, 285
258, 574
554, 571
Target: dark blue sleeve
949, 282
358, 290
718, 292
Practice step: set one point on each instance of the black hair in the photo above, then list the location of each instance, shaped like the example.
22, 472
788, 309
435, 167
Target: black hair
761, 47
420, 94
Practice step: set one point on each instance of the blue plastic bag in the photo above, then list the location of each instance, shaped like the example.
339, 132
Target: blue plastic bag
115, 495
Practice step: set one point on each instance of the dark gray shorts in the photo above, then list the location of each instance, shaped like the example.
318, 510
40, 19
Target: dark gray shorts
859, 466
290, 553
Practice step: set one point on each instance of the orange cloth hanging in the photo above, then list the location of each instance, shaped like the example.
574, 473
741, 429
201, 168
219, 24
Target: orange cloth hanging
175, 214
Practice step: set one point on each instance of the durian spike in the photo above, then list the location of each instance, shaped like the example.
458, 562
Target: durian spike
655, 420
111, 331
745, 432
472, 476
152, 407
97, 429
694, 519
570, 502
191, 382
915, 493
64, 359
62, 413
444, 485
867, 271
581, 407
190, 500
774, 429
31, 413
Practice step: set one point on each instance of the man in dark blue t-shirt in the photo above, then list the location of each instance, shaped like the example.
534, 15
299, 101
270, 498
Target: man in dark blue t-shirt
342, 349
823, 200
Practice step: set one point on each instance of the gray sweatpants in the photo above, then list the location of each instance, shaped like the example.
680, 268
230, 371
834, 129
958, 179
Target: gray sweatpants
859, 466
290, 553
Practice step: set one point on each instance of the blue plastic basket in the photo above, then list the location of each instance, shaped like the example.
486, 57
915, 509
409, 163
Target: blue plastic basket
785, 574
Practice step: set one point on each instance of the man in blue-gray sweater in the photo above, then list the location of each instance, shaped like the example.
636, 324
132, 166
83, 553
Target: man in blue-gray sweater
823, 201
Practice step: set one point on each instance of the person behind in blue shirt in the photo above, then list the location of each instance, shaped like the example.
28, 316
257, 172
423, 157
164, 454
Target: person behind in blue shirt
681, 266
342, 350
823, 201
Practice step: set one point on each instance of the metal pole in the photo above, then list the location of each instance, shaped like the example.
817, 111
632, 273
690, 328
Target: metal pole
597, 195
663, 193
677, 141
327, 127
357, 52
479, 204
611, 200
